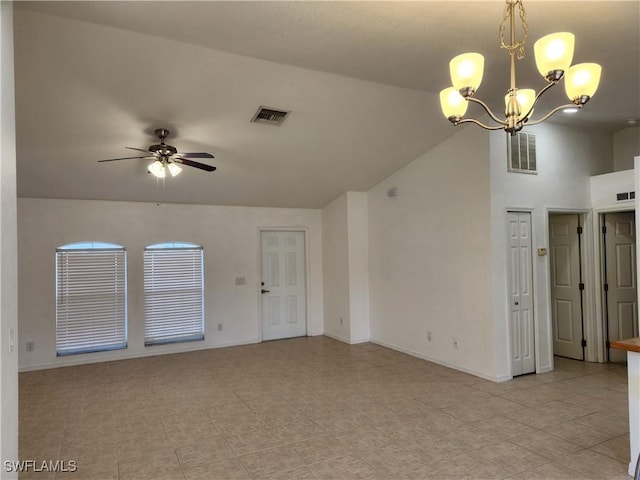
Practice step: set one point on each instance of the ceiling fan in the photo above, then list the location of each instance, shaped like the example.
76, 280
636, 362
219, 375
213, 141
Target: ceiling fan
166, 157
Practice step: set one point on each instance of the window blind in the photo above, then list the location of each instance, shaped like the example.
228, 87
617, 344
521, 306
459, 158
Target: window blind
91, 299
174, 293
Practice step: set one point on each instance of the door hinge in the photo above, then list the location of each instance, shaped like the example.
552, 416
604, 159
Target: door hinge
606, 287
581, 286
604, 229
579, 230
584, 343
608, 344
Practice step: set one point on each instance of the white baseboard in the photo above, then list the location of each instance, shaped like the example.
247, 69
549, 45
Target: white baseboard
545, 369
501, 378
75, 360
337, 337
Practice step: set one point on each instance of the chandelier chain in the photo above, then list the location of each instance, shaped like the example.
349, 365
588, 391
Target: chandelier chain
513, 46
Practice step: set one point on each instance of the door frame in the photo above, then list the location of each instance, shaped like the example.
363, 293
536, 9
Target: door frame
305, 231
598, 261
590, 327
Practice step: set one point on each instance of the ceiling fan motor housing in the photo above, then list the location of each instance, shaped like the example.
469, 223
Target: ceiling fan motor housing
163, 150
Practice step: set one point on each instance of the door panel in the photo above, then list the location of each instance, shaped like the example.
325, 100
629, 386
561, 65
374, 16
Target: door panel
284, 290
620, 278
566, 299
521, 293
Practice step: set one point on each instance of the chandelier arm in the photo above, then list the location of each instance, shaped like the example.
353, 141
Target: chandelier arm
557, 109
486, 109
472, 120
538, 95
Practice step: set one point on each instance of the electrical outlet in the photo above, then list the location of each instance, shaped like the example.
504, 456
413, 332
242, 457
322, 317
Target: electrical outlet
456, 343
31, 346
219, 327
428, 336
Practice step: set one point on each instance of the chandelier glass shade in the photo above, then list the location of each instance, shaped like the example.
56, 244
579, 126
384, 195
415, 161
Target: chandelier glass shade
553, 56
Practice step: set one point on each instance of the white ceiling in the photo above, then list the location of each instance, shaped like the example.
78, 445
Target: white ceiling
361, 80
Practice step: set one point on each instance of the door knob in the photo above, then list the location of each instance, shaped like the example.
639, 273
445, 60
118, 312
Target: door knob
517, 303
264, 291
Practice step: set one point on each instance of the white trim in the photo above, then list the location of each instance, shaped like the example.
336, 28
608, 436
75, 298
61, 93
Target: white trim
499, 379
346, 340
337, 337
154, 351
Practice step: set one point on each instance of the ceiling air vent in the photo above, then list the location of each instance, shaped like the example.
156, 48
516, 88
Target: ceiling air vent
270, 116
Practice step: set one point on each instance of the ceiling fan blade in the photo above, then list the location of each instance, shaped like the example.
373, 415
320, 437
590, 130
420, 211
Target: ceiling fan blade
196, 155
191, 163
139, 149
123, 158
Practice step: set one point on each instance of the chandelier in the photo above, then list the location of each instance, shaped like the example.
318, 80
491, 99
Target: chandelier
553, 55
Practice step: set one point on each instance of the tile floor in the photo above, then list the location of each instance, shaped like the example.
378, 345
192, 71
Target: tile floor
315, 408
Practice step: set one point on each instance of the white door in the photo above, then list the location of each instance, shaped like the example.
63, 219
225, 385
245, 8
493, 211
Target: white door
566, 284
283, 285
521, 293
620, 280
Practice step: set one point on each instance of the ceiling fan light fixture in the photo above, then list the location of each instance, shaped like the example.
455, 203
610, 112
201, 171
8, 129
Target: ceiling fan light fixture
157, 169
166, 156
173, 169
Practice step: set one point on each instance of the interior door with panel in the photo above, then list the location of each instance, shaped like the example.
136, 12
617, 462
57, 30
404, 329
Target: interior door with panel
520, 277
283, 284
620, 280
566, 285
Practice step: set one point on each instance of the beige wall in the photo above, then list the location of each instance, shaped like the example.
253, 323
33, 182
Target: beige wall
335, 268
626, 146
430, 256
346, 268
229, 235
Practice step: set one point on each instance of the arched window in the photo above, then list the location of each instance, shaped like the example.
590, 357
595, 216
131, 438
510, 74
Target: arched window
173, 293
91, 297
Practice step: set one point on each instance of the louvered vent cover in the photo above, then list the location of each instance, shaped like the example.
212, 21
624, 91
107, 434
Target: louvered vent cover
270, 116
521, 152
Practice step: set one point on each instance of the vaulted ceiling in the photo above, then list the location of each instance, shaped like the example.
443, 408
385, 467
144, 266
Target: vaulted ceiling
361, 80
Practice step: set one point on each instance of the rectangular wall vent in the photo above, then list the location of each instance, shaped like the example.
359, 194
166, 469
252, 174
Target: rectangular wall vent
521, 153
623, 196
270, 116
